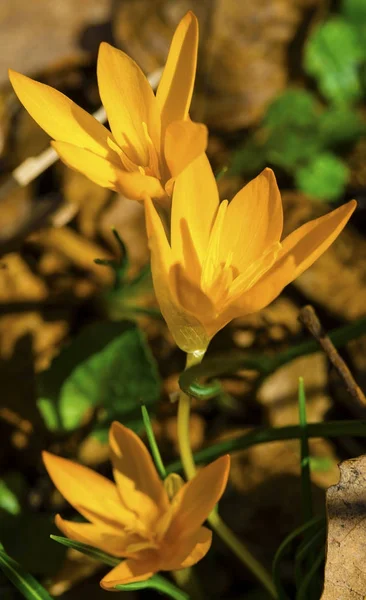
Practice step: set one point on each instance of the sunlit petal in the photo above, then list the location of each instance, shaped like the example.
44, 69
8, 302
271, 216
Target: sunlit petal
299, 251
194, 206
105, 539
129, 102
96, 168
175, 90
61, 118
187, 332
184, 141
130, 571
139, 484
254, 221
87, 491
136, 186
187, 551
197, 498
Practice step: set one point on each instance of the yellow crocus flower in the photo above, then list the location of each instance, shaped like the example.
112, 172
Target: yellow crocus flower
151, 139
227, 260
135, 518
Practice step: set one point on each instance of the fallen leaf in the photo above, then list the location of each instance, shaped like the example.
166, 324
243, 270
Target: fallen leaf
345, 570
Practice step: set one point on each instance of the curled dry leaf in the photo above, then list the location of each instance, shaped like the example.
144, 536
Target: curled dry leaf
345, 570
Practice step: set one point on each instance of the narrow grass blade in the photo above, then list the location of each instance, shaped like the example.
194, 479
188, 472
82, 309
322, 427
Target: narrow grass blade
88, 550
284, 548
23, 581
152, 443
305, 456
158, 583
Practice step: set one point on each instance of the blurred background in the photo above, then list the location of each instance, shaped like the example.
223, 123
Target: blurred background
280, 83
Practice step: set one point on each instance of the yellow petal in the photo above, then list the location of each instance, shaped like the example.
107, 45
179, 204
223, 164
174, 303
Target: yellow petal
253, 222
138, 482
197, 498
186, 552
61, 118
109, 541
187, 331
129, 102
184, 141
309, 241
93, 496
299, 251
130, 571
194, 205
96, 168
175, 90
136, 186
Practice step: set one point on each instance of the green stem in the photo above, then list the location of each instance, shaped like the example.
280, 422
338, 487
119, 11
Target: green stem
217, 524
263, 435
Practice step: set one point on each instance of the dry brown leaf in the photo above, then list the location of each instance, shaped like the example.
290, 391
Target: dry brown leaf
37, 34
345, 570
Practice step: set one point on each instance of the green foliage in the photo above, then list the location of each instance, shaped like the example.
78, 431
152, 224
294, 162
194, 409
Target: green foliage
12, 488
158, 583
297, 133
340, 126
23, 581
333, 56
108, 366
314, 531
324, 177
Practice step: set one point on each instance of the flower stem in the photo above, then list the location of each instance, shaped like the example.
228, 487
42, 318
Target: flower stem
217, 524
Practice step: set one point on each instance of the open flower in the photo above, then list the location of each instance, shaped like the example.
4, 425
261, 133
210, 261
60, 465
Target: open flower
227, 260
152, 137
134, 518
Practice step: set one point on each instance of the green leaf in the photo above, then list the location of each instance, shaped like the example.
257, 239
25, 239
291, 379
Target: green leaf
158, 583
354, 11
339, 126
295, 107
87, 550
23, 581
333, 55
108, 365
324, 178
12, 488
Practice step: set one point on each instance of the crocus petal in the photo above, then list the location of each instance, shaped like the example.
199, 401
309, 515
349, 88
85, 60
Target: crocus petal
105, 539
187, 331
194, 206
187, 551
136, 186
253, 222
130, 571
97, 169
175, 89
139, 484
91, 494
184, 141
299, 251
61, 118
197, 498
129, 102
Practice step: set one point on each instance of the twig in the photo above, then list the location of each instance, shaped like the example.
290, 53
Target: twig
309, 318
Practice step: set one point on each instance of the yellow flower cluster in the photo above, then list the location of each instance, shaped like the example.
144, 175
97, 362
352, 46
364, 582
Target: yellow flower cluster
134, 518
217, 261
